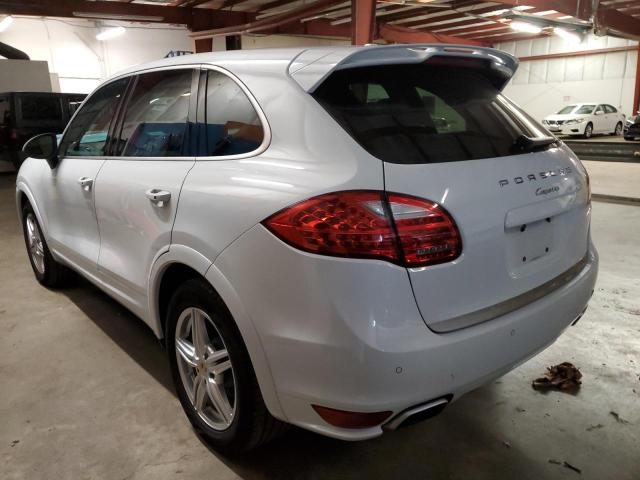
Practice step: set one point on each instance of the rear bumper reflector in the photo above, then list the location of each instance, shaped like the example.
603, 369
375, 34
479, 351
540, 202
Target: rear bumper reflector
345, 419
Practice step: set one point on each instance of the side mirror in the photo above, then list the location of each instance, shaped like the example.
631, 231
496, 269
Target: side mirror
43, 147
599, 112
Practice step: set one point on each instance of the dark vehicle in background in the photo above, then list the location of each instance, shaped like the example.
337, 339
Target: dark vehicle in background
25, 114
632, 128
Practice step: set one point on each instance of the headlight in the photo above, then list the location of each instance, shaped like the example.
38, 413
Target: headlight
570, 122
544, 122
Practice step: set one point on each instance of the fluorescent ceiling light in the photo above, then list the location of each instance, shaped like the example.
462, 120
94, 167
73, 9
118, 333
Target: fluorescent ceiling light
110, 33
525, 27
5, 23
567, 35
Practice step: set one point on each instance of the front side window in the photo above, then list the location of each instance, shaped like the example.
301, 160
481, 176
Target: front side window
155, 121
610, 109
87, 134
427, 114
233, 126
585, 110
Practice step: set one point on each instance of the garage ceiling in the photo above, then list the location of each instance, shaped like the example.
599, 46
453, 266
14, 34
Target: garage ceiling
467, 21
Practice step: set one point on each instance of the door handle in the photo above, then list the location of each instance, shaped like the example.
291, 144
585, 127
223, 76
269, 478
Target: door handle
158, 197
86, 183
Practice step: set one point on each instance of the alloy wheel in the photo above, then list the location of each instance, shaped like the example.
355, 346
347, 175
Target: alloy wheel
34, 240
205, 368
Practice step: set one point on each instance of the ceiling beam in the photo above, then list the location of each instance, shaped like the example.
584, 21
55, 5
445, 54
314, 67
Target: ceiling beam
271, 22
397, 34
613, 21
98, 10
582, 9
363, 19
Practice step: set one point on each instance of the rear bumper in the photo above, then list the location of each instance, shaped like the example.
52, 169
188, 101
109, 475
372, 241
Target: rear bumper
347, 334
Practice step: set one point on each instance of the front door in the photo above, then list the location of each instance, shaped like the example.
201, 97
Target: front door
68, 193
137, 195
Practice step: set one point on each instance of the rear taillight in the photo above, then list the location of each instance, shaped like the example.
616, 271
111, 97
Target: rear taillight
402, 229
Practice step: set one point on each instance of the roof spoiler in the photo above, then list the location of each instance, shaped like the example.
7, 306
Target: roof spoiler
311, 67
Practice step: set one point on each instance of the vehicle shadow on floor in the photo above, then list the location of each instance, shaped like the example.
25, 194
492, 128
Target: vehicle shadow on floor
129, 332
459, 443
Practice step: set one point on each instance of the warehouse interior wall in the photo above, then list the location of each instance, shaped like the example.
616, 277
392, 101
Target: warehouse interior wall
77, 61
543, 87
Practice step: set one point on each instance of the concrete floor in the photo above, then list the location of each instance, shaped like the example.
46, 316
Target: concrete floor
86, 394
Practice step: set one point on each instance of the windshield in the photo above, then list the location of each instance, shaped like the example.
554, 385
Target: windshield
425, 113
567, 110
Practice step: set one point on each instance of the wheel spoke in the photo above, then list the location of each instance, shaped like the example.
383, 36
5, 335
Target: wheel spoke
219, 399
199, 393
215, 358
186, 351
199, 332
221, 367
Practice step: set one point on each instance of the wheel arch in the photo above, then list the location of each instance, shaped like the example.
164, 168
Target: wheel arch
24, 196
182, 262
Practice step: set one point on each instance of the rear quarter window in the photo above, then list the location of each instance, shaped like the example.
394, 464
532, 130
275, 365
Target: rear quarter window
425, 113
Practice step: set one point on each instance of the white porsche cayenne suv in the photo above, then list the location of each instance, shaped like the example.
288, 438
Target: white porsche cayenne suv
344, 239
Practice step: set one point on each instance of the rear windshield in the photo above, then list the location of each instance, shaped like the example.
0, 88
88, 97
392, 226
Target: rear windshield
425, 113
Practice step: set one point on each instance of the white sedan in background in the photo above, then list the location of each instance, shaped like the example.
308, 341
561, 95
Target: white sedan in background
586, 119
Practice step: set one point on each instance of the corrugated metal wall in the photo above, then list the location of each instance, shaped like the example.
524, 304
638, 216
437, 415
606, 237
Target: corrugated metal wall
544, 86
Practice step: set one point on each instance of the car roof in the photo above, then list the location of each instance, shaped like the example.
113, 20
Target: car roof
309, 66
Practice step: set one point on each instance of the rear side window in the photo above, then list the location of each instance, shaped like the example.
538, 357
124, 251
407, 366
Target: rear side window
40, 108
87, 134
427, 113
233, 126
155, 122
610, 109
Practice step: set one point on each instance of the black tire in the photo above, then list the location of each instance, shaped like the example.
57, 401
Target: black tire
252, 424
618, 130
53, 274
588, 130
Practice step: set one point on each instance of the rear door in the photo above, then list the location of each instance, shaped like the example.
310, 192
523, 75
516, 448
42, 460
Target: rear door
137, 196
446, 134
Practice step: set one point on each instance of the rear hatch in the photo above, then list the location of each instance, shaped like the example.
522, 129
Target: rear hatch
519, 198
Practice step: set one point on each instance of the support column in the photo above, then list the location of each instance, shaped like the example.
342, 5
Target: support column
363, 18
204, 45
636, 96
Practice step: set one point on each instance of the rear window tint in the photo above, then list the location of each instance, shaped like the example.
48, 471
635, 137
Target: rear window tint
425, 113
41, 108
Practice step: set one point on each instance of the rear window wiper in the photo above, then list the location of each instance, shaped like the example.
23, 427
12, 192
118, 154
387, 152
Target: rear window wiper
524, 144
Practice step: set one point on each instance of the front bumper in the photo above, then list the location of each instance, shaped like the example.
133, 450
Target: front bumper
571, 129
347, 334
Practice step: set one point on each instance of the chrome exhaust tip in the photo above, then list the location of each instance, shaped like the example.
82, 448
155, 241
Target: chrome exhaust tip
417, 414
